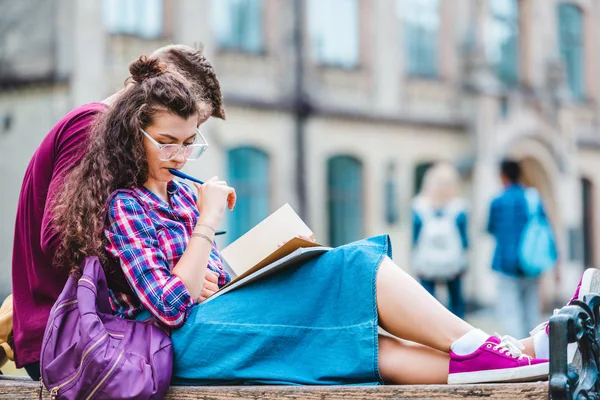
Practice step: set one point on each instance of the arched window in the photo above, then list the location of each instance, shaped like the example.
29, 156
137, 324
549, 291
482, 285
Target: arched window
570, 29
249, 174
421, 20
420, 170
503, 39
345, 199
391, 194
587, 197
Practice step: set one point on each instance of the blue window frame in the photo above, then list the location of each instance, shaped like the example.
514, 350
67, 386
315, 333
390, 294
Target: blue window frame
248, 173
420, 171
238, 25
570, 29
391, 195
334, 32
345, 200
142, 18
503, 43
421, 20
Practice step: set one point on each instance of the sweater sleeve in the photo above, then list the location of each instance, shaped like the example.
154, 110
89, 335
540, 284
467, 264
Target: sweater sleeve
68, 151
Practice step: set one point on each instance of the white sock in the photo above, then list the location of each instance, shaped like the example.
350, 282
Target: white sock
469, 342
541, 345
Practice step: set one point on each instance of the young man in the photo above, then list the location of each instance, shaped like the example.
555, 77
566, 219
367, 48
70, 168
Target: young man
519, 302
36, 281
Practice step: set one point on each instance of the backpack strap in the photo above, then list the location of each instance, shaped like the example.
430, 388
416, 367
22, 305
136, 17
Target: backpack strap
533, 200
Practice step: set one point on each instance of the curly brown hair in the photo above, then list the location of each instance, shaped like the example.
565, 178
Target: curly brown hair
115, 159
194, 66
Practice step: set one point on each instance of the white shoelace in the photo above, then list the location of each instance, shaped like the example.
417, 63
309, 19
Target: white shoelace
511, 347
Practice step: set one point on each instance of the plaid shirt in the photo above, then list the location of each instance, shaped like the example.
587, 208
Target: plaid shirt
149, 239
507, 219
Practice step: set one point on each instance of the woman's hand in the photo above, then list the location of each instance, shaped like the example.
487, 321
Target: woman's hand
213, 196
210, 286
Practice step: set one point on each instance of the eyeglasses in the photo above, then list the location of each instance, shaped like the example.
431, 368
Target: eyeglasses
167, 152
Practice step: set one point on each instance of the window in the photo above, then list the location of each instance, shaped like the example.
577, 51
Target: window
421, 20
345, 204
420, 175
249, 174
503, 39
587, 197
238, 24
334, 32
391, 195
134, 17
570, 25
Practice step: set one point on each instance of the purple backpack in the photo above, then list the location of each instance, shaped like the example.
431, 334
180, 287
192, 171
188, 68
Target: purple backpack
88, 353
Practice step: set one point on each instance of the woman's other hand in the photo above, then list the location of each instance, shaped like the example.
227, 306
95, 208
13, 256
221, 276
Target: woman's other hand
210, 286
213, 196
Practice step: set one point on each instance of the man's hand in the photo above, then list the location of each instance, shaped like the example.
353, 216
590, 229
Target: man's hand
210, 287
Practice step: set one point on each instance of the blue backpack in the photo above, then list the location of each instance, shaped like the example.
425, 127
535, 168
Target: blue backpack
537, 250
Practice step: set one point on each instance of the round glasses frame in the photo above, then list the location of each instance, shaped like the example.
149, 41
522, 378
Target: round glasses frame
180, 147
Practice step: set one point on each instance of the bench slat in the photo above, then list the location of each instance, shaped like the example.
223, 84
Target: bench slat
26, 390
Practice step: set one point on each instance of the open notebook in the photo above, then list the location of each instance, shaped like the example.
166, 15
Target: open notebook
256, 253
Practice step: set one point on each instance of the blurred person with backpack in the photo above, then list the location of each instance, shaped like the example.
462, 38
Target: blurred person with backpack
440, 239
525, 248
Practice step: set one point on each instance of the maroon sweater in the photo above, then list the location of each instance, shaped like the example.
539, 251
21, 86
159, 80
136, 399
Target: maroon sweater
35, 283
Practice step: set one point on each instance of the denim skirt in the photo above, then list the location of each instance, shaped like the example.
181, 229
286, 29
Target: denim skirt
310, 324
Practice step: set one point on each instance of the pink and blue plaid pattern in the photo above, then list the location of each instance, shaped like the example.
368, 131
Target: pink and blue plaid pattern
149, 240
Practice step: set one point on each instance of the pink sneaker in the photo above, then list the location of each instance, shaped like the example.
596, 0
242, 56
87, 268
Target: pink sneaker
497, 360
589, 283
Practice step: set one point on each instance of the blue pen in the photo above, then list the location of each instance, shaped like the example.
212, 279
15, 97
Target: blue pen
182, 175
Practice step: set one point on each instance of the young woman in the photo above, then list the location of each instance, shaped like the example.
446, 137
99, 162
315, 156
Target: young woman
36, 285
316, 323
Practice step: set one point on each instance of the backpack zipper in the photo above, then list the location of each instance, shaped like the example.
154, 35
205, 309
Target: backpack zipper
54, 390
68, 303
106, 376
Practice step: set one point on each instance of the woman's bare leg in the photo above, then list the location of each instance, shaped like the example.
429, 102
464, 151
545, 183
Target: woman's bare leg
406, 363
408, 311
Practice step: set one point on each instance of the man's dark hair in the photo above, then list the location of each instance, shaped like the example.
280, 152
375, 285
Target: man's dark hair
511, 170
201, 76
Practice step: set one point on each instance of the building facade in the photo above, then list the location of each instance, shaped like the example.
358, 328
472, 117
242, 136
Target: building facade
386, 88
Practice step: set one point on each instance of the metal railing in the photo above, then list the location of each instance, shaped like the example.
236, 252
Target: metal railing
575, 323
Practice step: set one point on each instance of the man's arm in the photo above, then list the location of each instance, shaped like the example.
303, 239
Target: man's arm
69, 149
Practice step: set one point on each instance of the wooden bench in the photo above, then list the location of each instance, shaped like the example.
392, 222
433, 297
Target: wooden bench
579, 322
23, 388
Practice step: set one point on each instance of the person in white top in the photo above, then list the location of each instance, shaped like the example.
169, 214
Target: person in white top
440, 241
